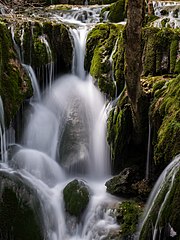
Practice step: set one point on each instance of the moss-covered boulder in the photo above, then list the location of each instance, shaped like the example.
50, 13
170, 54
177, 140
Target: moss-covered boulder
15, 86
117, 11
165, 115
42, 42
119, 130
162, 218
20, 210
160, 51
76, 197
100, 44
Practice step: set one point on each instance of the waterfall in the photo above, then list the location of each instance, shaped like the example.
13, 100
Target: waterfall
171, 10
50, 65
65, 138
112, 66
34, 82
167, 176
79, 39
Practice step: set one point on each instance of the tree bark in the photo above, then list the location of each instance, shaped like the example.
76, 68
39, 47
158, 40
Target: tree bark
133, 55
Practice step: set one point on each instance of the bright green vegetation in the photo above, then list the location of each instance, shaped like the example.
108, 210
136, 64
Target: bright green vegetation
165, 112
128, 213
100, 44
160, 53
117, 11
35, 50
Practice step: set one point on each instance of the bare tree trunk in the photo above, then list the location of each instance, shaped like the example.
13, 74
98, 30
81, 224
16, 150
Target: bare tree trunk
133, 53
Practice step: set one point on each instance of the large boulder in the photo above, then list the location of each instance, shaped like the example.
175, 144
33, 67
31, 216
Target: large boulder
20, 210
76, 197
121, 184
128, 183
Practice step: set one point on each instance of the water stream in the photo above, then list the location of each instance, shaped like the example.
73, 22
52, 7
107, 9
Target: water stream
65, 137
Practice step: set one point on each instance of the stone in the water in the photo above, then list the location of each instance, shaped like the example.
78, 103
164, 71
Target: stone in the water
20, 210
76, 197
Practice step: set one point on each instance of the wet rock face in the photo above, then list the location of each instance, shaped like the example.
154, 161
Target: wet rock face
15, 85
76, 197
19, 210
121, 184
162, 218
73, 150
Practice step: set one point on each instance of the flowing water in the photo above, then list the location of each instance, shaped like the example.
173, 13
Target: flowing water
167, 11
167, 176
65, 137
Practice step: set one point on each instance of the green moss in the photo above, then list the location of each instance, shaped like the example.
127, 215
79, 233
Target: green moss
40, 53
119, 129
117, 11
160, 50
76, 197
128, 213
119, 64
166, 106
15, 86
100, 43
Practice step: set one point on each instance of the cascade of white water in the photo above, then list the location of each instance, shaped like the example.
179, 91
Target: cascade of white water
14, 42
172, 12
168, 175
50, 65
34, 82
67, 128
28, 68
112, 66
79, 39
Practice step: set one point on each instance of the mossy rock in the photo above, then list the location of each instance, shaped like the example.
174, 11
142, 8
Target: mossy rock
121, 184
15, 86
76, 197
35, 50
160, 51
127, 215
119, 128
20, 211
165, 114
117, 11
165, 209
100, 44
